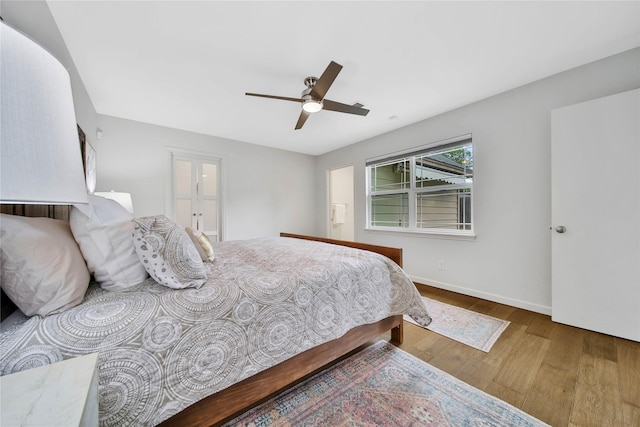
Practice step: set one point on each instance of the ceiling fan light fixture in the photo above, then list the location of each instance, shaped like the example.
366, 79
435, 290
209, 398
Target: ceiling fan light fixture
313, 100
312, 105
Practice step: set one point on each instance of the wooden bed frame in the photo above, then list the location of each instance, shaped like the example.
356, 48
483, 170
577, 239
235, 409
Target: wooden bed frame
233, 400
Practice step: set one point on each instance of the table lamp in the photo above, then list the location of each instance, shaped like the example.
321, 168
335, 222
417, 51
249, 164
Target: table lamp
40, 151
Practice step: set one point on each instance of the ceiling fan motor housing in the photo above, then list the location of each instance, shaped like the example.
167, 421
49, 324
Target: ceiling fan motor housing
310, 104
310, 82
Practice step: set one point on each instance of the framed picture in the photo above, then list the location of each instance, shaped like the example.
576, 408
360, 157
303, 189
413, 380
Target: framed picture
88, 161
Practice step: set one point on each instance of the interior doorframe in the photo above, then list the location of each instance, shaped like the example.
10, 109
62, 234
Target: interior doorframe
329, 199
168, 187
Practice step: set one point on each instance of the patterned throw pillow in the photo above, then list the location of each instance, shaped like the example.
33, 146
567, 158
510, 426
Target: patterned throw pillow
167, 253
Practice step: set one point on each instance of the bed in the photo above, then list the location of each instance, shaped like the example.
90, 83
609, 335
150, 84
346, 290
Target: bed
272, 311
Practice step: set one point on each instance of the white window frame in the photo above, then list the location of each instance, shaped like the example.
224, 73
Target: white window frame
413, 191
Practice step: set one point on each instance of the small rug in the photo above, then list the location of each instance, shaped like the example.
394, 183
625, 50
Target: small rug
468, 327
384, 386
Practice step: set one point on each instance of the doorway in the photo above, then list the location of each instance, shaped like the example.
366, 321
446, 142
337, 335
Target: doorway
341, 215
196, 193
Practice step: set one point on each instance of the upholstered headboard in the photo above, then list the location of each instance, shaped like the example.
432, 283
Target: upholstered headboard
50, 211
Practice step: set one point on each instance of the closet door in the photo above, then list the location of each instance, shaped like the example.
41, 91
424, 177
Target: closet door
595, 158
207, 198
196, 189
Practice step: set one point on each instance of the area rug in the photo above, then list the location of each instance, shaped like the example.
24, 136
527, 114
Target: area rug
384, 386
468, 327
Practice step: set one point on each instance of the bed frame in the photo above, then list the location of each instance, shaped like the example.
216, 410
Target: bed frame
233, 400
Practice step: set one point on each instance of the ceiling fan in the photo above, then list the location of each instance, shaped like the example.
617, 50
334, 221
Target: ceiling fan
312, 98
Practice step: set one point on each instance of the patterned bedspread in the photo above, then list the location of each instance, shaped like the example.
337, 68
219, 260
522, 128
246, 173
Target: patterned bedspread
265, 300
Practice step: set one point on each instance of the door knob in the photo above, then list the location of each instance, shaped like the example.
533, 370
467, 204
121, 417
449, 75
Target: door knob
561, 229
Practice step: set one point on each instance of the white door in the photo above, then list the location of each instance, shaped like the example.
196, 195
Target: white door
196, 194
595, 169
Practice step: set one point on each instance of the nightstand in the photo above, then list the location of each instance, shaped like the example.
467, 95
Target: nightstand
60, 394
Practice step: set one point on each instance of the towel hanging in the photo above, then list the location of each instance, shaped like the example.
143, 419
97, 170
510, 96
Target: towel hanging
339, 213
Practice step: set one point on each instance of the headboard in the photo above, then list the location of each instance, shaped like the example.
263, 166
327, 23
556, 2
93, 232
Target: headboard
50, 211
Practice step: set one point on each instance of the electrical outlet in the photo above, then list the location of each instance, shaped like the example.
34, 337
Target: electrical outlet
441, 265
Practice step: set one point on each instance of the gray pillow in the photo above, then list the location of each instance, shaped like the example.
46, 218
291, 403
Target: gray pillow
43, 271
167, 253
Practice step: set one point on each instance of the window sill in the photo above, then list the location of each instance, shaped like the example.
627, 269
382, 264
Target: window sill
436, 234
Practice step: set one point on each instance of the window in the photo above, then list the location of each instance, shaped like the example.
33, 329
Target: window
425, 190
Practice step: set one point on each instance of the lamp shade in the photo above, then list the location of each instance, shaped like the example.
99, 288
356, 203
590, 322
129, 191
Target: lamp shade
123, 198
40, 150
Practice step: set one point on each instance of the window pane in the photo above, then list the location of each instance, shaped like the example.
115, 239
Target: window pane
209, 179
391, 176
430, 186
390, 210
445, 167
184, 212
448, 209
183, 177
209, 217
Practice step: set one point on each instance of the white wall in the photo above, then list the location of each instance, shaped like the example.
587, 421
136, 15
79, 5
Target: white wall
266, 190
510, 259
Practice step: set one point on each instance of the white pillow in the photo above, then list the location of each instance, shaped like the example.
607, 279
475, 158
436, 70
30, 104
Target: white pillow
202, 243
103, 231
168, 254
43, 271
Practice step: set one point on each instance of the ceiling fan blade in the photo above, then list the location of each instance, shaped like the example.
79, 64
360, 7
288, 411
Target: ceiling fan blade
344, 108
283, 98
326, 80
303, 118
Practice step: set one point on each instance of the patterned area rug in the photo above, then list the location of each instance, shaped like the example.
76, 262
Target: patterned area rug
468, 327
384, 386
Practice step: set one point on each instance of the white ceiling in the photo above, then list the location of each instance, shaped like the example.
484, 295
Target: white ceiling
187, 65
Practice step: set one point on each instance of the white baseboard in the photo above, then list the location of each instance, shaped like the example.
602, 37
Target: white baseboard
484, 295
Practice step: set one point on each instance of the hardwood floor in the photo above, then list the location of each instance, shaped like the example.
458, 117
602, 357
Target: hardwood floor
562, 375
